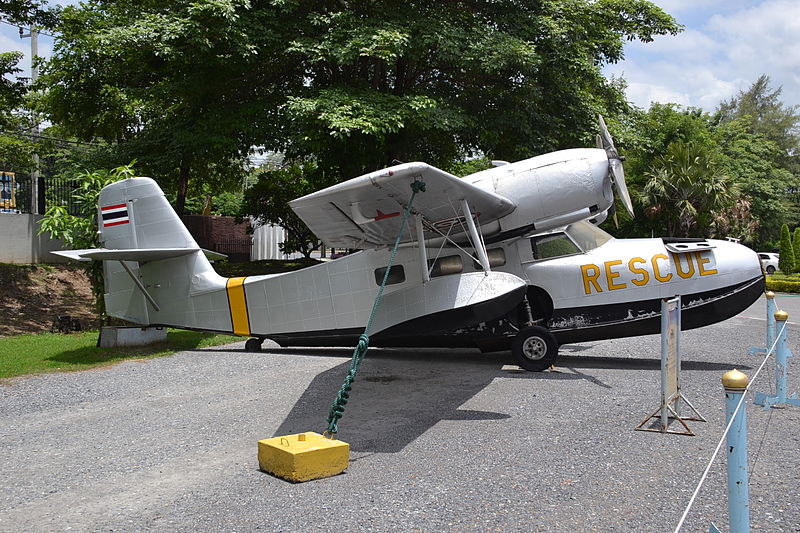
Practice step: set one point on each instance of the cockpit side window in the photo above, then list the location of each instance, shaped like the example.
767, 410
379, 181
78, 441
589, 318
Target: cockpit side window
553, 245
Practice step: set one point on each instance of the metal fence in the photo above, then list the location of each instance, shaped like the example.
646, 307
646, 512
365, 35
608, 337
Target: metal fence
53, 190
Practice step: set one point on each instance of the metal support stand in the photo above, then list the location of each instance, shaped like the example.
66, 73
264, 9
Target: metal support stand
782, 354
671, 395
771, 308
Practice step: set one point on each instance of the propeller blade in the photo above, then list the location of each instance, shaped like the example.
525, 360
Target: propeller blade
615, 166
608, 142
619, 183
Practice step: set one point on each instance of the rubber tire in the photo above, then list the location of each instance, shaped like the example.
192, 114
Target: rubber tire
534, 349
770, 270
253, 345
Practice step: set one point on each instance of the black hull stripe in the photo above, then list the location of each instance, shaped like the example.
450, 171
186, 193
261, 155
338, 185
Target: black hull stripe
613, 321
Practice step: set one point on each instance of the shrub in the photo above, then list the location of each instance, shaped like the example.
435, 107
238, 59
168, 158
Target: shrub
783, 285
787, 260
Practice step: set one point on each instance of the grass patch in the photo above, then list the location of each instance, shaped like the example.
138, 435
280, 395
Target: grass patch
53, 352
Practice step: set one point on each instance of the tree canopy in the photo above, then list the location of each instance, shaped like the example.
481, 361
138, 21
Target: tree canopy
761, 112
189, 87
751, 149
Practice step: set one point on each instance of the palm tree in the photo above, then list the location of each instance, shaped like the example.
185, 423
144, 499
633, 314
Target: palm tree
685, 190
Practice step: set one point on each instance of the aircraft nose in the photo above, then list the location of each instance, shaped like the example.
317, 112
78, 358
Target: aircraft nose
737, 259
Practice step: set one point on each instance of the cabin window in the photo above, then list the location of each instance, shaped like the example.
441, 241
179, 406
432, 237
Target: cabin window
397, 275
497, 258
552, 245
451, 264
587, 235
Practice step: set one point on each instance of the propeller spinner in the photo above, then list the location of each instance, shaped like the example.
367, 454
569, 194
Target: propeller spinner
605, 142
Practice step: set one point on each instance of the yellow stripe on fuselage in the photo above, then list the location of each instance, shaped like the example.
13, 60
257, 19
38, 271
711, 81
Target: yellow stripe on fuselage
238, 304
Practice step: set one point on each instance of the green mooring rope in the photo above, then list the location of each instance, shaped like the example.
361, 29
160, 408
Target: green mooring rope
337, 409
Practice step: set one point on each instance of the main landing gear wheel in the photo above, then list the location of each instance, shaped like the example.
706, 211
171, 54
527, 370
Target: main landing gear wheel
253, 345
535, 348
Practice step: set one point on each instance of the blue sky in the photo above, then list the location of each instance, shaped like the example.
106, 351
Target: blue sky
725, 46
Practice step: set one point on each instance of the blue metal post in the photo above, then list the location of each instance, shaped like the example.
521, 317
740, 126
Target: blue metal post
782, 354
771, 308
735, 383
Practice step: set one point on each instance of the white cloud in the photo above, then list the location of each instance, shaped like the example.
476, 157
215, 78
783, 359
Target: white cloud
721, 54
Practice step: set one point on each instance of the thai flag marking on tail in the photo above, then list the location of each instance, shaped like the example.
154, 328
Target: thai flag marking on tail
114, 215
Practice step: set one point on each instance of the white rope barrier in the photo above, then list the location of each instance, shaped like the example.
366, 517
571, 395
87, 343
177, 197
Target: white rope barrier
727, 429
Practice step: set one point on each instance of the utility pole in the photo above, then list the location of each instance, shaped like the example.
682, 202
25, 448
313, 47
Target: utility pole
34, 35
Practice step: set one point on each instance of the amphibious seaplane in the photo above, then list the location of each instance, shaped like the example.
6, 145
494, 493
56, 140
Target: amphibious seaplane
507, 257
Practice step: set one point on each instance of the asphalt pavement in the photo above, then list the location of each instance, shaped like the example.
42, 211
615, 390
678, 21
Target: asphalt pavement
442, 440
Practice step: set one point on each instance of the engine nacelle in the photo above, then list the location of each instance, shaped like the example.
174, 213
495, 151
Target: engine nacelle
550, 190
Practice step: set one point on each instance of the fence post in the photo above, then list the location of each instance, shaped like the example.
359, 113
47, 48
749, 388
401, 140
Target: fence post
735, 383
771, 308
782, 354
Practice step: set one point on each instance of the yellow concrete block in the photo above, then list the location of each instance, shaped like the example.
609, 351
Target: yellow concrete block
303, 457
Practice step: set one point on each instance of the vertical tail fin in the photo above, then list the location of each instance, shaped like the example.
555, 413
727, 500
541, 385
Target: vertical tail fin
152, 283
133, 213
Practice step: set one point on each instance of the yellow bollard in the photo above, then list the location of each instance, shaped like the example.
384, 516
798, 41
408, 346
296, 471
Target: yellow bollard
303, 457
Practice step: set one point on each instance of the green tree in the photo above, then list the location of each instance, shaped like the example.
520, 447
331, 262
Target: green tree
644, 138
81, 231
737, 221
16, 151
268, 201
764, 114
30, 12
188, 87
389, 81
685, 190
752, 162
796, 247
185, 87
786, 261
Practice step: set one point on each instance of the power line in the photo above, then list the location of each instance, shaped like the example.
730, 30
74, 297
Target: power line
40, 32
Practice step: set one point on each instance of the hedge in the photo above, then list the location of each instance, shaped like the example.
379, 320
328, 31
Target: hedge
782, 285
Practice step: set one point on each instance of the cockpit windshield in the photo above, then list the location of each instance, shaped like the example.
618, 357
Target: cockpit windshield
587, 236
574, 239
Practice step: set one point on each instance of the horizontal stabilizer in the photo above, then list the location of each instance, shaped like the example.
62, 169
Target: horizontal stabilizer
213, 256
130, 254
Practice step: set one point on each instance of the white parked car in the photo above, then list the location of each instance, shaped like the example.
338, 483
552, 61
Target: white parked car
769, 262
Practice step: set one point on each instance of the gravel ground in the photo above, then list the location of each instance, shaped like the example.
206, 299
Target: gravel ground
442, 440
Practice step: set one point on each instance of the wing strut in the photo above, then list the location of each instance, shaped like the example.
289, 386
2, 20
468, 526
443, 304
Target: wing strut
138, 283
423, 252
476, 239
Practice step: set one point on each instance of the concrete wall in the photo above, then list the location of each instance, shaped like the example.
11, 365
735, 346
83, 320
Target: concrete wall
20, 241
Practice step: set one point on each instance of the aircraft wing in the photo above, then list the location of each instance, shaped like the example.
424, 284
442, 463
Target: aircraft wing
367, 211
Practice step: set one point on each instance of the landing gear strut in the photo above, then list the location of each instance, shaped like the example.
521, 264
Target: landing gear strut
253, 345
535, 348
